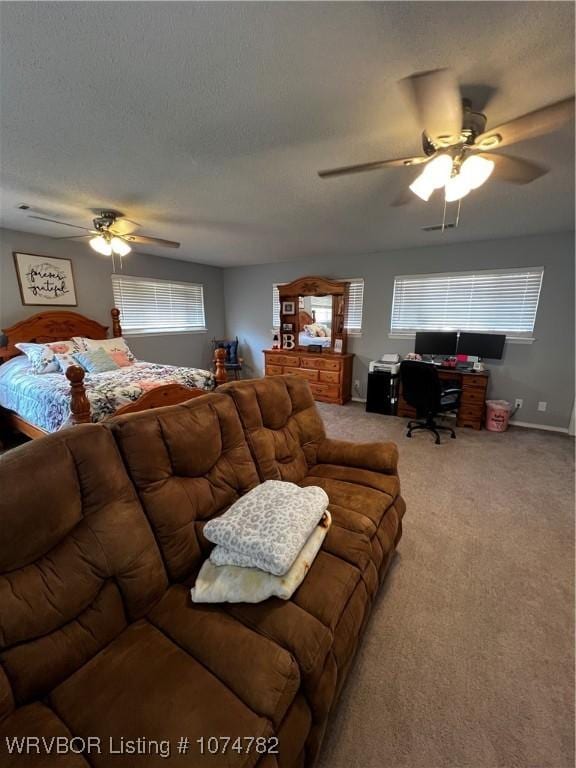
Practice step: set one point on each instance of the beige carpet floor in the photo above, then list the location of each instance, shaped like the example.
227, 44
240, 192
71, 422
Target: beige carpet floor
468, 659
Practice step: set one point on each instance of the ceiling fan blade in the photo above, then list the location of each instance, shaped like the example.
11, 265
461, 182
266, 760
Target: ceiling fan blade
55, 221
146, 240
72, 237
124, 226
347, 169
516, 170
438, 103
528, 126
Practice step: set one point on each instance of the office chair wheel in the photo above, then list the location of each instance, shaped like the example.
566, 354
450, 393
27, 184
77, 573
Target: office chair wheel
453, 435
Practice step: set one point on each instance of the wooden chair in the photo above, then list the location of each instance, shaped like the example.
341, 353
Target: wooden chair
233, 363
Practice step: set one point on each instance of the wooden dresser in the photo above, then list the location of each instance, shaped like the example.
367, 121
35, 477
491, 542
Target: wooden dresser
330, 375
472, 402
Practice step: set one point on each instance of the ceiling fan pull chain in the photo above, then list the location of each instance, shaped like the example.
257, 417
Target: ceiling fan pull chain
444, 217
458, 213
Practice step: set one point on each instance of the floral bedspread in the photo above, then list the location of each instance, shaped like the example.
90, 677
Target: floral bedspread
44, 400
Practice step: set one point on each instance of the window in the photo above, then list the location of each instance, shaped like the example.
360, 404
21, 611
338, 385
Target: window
158, 306
353, 321
499, 301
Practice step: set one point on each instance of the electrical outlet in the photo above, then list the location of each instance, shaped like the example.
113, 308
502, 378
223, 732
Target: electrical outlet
518, 403
542, 405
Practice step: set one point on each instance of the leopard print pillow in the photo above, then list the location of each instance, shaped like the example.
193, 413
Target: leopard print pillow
267, 527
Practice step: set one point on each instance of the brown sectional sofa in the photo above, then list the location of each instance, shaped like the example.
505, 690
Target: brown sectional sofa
100, 540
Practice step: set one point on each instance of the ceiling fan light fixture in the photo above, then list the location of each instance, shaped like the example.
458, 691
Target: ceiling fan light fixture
119, 246
476, 170
438, 171
456, 188
422, 187
101, 245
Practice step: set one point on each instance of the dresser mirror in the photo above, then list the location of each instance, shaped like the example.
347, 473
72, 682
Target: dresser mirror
312, 311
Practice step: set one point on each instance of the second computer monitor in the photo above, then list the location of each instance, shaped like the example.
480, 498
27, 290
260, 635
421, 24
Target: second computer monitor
436, 342
487, 345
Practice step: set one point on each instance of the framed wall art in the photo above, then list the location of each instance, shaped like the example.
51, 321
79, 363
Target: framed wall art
45, 281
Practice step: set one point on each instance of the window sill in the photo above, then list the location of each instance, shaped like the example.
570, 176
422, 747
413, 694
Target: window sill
509, 339
163, 333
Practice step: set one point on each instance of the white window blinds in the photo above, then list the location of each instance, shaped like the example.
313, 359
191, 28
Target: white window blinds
158, 306
353, 321
275, 306
502, 301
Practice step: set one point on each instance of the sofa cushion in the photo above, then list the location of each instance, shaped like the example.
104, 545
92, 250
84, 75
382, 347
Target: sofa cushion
78, 560
222, 644
145, 684
280, 420
189, 463
35, 721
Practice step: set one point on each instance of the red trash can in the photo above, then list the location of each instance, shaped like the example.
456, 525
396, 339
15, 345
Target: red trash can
497, 415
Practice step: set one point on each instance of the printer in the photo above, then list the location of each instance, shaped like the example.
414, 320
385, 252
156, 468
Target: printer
386, 364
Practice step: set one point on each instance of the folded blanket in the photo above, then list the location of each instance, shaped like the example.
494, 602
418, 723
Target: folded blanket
231, 584
267, 527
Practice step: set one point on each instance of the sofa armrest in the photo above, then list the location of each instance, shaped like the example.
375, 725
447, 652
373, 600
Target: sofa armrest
379, 457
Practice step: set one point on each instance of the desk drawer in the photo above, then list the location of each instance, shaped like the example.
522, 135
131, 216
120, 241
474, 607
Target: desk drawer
320, 364
282, 360
471, 412
473, 395
304, 373
474, 381
274, 370
329, 377
327, 390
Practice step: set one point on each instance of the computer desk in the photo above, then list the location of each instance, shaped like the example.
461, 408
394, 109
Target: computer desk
474, 385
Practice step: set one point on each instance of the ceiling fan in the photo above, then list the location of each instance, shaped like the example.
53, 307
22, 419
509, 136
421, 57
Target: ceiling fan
458, 150
113, 234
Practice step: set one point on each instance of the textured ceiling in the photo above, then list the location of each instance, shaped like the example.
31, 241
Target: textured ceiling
207, 122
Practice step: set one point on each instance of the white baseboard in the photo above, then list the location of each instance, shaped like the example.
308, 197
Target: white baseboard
545, 427
358, 399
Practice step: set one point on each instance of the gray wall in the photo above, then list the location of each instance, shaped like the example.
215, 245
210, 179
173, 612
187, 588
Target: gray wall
243, 297
540, 371
94, 292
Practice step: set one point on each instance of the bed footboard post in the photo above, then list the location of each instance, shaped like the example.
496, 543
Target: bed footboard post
116, 327
79, 403
219, 359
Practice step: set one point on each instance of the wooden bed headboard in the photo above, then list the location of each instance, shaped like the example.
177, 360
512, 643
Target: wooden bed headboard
57, 325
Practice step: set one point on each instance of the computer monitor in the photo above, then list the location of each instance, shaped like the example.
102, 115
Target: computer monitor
436, 342
487, 345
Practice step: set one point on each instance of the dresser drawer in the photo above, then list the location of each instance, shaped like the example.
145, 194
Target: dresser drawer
472, 396
329, 377
274, 370
326, 390
280, 359
474, 381
320, 364
471, 412
304, 373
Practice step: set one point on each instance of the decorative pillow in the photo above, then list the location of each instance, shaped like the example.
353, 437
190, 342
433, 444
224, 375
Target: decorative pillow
267, 527
42, 359
231, 584
117, 348
96, 361
64, 353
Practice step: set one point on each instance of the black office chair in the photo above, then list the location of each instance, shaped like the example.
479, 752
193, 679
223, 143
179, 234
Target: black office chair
422, 389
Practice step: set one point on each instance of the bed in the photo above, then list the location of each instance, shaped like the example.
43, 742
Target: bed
39, 404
